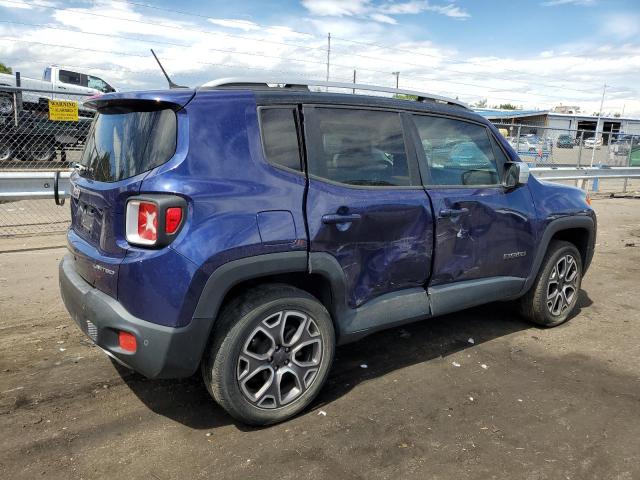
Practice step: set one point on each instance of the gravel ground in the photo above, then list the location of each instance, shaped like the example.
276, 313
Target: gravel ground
475, 395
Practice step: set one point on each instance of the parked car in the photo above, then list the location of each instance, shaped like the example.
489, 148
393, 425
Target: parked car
621, 144
593, 142
524, 144
565, 141
247, 230
543, 143
62, 83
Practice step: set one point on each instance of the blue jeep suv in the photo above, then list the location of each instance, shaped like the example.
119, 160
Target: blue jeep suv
246, 230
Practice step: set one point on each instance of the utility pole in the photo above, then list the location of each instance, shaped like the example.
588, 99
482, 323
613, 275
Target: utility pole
397, 74
593, 152
354, 82
328, 56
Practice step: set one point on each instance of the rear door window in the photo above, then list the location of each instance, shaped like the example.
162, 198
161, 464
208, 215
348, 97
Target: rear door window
73, 78
123, 144
359, 147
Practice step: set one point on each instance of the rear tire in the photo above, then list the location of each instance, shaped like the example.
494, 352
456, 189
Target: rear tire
555, 292
270, 354
6, 153
6, 104
43, 152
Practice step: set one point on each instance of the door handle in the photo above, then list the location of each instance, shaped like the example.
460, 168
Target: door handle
452, 212
334, 218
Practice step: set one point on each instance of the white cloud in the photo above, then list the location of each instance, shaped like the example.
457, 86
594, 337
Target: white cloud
20, 4
449, 10
555, 3
380, 13
245, 25
382, 18
337, 8
195, 50
622, 25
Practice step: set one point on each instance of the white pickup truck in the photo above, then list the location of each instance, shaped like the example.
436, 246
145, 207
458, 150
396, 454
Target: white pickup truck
57, 83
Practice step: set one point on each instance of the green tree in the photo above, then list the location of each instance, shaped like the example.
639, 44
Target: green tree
481, 103
507, 106
5, 69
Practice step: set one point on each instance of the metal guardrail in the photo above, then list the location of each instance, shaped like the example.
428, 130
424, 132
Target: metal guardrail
55, 184
573, 173
26, 208
35, 186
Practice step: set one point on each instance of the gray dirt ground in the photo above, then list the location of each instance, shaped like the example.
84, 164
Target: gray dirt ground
550, 404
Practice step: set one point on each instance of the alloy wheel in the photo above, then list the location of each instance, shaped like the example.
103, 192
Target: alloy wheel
562, 286
280, 359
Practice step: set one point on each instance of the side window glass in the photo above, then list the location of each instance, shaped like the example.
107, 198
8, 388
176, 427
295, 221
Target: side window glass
97, 83
360, 147
501, 157
73, 78
280, 136
457, 152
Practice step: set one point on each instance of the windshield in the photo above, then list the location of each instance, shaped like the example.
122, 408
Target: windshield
121, 145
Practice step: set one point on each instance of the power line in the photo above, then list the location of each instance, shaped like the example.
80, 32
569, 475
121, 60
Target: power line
127, 54
376, 45
476, 74
165, 25
439, 57
373, 44
206, 17
220, 64
161, 42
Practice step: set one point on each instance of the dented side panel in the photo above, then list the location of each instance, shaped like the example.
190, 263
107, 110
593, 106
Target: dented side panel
495, 237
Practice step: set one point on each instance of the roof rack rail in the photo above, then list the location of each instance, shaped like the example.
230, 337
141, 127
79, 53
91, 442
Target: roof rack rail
304, 84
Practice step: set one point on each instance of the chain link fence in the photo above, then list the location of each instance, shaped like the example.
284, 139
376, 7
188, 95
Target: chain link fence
548, 146
33, 139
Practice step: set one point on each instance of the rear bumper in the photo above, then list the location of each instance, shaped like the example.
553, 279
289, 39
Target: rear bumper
162, 352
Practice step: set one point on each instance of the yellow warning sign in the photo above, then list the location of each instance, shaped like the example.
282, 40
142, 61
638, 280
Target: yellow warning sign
63, 110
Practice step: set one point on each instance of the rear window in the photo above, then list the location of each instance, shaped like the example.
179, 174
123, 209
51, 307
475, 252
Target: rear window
121, 145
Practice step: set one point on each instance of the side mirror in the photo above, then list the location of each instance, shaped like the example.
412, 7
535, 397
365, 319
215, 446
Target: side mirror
516, 173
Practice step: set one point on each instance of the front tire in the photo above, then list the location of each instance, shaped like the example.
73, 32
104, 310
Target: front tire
554, 294
270, 354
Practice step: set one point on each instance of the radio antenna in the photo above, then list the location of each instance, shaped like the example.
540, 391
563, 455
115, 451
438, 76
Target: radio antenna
171, 84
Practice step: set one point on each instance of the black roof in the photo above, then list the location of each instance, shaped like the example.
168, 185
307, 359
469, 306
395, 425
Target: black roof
282, 96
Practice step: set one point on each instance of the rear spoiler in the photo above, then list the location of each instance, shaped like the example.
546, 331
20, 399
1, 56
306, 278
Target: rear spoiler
141, 101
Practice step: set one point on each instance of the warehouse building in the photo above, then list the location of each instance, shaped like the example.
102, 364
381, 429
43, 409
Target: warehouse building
529, 121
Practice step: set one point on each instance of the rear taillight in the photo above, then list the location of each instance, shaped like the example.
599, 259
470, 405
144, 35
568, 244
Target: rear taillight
172, 219
142, 222
154, 220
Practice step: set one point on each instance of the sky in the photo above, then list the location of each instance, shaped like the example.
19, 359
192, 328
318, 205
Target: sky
535, 54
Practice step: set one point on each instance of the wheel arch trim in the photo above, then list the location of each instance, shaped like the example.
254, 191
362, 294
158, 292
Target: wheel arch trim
232, 273
555, 226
